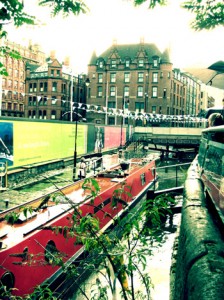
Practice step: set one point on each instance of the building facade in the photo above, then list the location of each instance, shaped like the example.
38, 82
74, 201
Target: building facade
128, 81
53, 92
186, 94
13, 85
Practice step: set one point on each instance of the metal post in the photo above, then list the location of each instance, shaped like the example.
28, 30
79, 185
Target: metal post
122, 120
71, 98
76, 132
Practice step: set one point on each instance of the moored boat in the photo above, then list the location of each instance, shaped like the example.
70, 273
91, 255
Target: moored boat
210, 163
28, 245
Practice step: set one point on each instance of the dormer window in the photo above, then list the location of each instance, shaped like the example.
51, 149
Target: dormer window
113, 63
100, 63
141, 63
155, 62
127, 63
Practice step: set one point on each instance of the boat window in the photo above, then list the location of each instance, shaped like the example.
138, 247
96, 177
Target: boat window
50, 251
213, 161
101, 205
8, 280
143, 180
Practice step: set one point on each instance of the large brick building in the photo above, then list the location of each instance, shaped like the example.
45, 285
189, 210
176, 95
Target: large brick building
132, 78
53, 92
13, 85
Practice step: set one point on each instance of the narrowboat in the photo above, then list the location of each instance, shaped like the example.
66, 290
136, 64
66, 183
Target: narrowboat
210, 162
27, 245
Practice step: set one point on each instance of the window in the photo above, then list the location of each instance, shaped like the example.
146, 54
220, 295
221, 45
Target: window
15, 106
10, 71
161, 74
34, 87
111, 121
54, 87
21, 107
40, 114
16, 73
101, 64
58, 73
44, 114
164, 93
154, 77
111, 104
127, 63
52, 72
100, 77
112, 91
53, 100
141, 63
34, 100
21, 86
45, 100
155, 62
139, 106
153, 109
113, 63
99, 91
112, 77
140, 91
45, 87
126, 91
154, 91
30, 101
41, 87
140, 76
53, 115
15, 84
30, 87
126, 77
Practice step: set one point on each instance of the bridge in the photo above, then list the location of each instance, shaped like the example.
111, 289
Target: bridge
175, 136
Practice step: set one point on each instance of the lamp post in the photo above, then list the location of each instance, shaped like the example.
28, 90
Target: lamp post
87, 82
122, 118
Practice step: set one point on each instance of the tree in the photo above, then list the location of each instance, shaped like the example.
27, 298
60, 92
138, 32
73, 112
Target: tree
13, 11
208, 14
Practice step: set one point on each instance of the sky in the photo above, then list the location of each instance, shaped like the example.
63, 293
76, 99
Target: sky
109, 20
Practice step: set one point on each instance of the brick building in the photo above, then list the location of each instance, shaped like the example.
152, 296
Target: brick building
133, 79
13, 85
53, 92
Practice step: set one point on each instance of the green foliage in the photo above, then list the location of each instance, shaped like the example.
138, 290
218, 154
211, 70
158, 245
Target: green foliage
66, 7
152, 3
13, 11
208, 14
12, 217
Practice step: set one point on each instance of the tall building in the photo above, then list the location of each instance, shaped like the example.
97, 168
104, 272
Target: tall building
53, 92
13, 85
129, 80
186, 94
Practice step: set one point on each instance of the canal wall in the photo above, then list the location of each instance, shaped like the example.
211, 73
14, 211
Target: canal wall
197, 271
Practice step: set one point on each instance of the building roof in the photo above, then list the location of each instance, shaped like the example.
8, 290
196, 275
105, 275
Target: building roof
132, 51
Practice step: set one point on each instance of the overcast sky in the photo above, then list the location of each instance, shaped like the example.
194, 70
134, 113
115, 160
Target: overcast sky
78, 37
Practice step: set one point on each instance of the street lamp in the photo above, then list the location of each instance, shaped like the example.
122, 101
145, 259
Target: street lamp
87, 82
122, 119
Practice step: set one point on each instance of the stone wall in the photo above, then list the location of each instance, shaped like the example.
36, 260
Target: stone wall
198, 270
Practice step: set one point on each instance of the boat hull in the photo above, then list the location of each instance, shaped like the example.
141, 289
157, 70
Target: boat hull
24, 256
